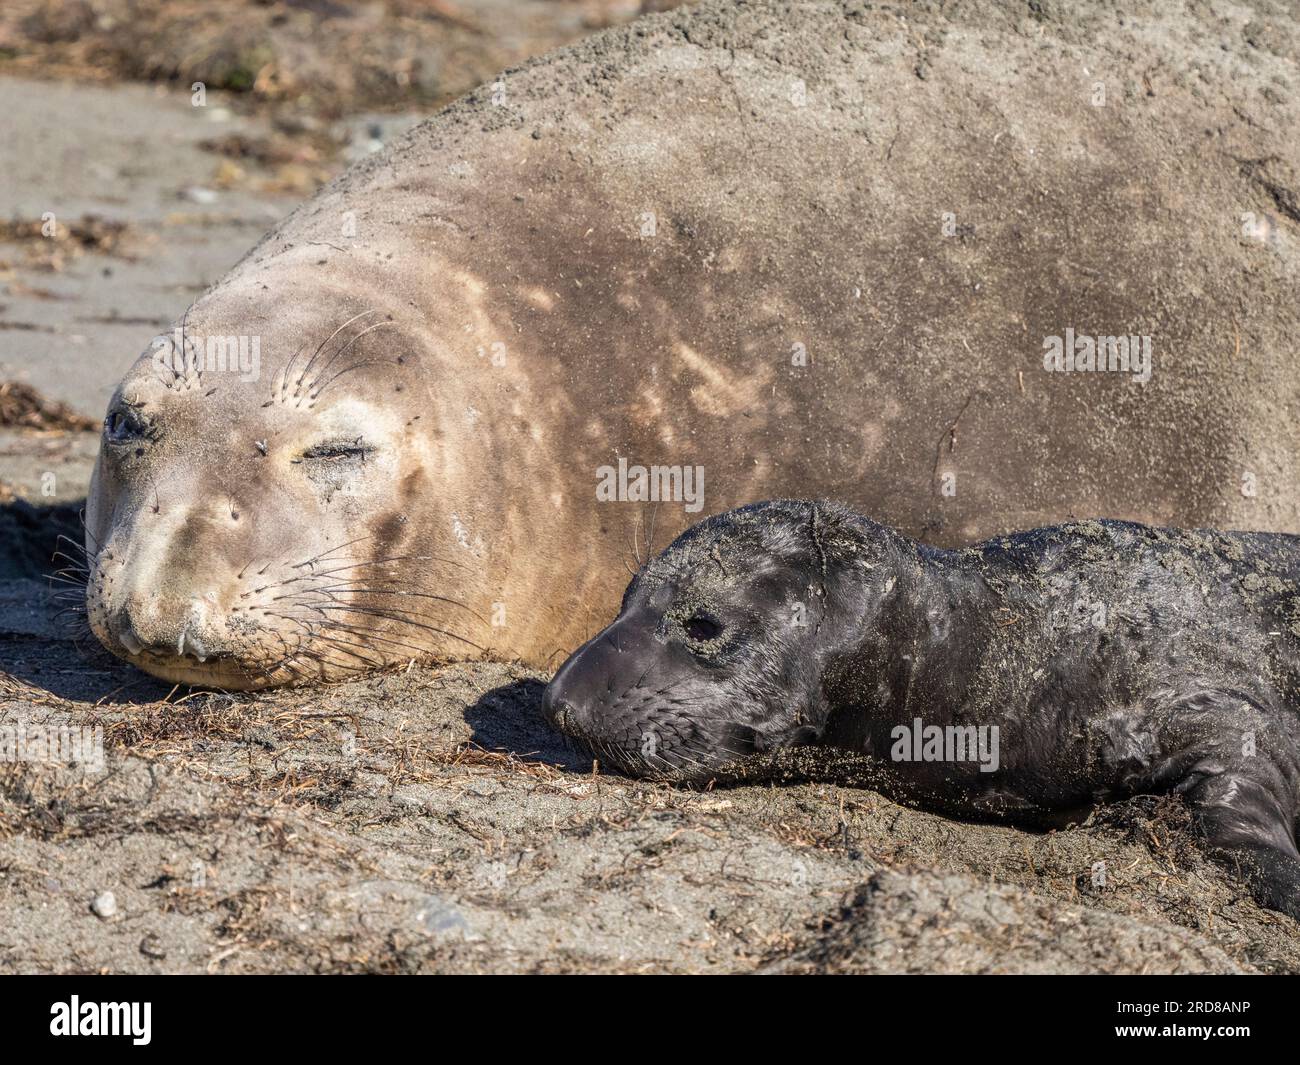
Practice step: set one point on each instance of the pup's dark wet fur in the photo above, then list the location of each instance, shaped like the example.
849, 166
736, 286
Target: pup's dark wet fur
1112, 659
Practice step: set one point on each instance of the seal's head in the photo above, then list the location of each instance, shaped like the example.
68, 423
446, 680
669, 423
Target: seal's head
723, 641
248, 523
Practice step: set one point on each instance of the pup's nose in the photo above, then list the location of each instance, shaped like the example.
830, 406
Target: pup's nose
573, 700
558, 711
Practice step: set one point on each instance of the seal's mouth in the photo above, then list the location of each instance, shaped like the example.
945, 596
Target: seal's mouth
327, 618
203, 668
664, 746
658, 742
222, 671
248, 661
208, 655
195, 655
188, 645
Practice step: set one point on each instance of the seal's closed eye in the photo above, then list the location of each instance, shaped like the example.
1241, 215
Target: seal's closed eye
339, 450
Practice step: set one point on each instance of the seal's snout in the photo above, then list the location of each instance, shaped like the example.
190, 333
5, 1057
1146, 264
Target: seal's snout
577, 701
640, 708
149, 629
565, 703
561, 714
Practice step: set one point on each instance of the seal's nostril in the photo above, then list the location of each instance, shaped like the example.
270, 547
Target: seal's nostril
190, 644
128, 639
560, 713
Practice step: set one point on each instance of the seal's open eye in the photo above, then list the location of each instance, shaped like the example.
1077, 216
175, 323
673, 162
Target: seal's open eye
702, 627
339, 451
123, 425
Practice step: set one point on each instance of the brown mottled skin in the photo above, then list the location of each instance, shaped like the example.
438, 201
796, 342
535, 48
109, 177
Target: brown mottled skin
619, 256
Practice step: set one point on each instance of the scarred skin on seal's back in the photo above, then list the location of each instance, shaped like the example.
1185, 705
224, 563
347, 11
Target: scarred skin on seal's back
808, 248
1029, 677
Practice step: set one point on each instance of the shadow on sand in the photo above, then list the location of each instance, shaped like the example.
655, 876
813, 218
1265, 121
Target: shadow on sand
44, 641
509, 719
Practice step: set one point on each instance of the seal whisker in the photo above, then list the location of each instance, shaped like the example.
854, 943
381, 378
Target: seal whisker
366, 634
349, 589
312, 653
356, 366
288, 658
674, 758
325, 554
674, 685
316, 354
316, 574
346, 668
330, 625
81, 517
73, 544
650, 535
284, 374
371, 661
335, 593
343, 349
375, 612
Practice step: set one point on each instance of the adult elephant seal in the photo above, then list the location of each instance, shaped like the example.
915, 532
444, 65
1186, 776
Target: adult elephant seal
753, 250
1027, 677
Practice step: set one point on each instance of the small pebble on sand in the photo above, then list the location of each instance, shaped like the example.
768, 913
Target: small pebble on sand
104, 905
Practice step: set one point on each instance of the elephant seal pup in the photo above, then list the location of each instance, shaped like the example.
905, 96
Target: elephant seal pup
1033, 674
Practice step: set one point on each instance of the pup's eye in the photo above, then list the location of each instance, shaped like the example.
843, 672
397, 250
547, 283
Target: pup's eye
124, 425
703, 628
339, 451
